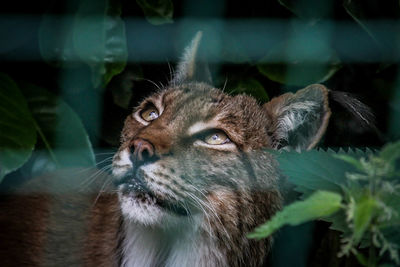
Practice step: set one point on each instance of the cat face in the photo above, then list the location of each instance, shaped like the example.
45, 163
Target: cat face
184, 147
191, 150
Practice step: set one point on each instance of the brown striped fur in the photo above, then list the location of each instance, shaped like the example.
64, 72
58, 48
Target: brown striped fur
53, 221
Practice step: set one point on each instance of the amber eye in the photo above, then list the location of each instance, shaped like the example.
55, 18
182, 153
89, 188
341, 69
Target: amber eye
149, 114
217, 138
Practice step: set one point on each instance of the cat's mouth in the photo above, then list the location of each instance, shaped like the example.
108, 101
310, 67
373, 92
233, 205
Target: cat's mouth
134, 187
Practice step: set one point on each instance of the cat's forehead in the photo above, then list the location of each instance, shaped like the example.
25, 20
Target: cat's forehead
193, 101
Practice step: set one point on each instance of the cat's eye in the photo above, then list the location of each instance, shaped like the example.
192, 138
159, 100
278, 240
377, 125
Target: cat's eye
149, 113
216, 138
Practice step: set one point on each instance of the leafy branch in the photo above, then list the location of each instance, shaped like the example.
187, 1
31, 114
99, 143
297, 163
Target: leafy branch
362, 186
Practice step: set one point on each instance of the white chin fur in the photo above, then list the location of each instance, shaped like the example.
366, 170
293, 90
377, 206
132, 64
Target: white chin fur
138, 211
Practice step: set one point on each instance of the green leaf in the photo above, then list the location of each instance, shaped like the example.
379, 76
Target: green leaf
61, 132
307, 9
317, 169
358, 10
157, 12
250, 87
305, 58
319, 204
364, 212
314, 169
297, 70
122, 89
349, 159
99, 39
338, 221
390, 152
17, 128
55, 41
394, 113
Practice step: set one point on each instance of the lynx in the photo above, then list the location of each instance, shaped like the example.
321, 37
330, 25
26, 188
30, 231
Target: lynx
192, 177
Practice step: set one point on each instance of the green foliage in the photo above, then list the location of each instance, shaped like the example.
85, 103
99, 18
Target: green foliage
316, 206
249, 86
32, 115
367, 185
305, 60
157, 12
302, 8
61, 132
99, 39
95, 35
17, 127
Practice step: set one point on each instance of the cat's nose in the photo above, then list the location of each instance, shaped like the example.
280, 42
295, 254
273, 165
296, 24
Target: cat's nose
141, 150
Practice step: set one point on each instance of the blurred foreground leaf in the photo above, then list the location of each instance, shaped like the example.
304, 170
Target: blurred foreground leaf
313, 9
157, 12
306, 57
99, 39
17, 128
123, 87
55, 40
61, 132
318, 205
298, 69
359, 11
369, 184
95, 35
364, 212
316, 169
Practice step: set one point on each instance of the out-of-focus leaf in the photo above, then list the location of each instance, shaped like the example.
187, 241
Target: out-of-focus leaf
338, 221
295, 68
356, 9
393, 224
363, 213
157, 12
307, 9
17, 128
122, 89
235, 52
55, 40
315, 169
95, 35
390, 152
375, 17
319, 204
250, 87
61, 132
99, 39
349, 159
394, 114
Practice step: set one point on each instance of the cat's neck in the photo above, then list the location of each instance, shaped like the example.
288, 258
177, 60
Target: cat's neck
181, 245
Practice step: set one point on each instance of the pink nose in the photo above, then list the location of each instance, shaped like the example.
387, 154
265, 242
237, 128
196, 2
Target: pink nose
142, 149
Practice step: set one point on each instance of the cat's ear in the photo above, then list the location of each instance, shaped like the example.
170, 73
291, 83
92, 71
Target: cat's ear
191, 68
299, 120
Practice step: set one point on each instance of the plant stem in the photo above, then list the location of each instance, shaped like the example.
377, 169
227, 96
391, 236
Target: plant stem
372, 260
46, 143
